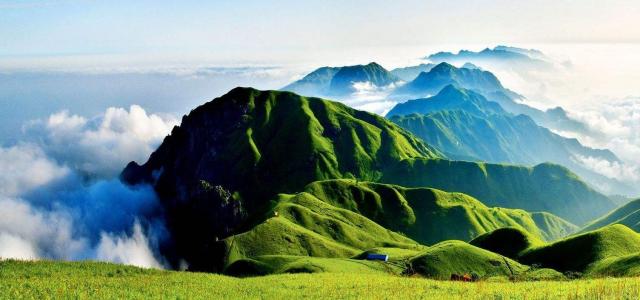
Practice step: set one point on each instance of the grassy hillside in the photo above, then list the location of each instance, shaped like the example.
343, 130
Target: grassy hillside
628, 215
429, 215
28, 280
456, 257
592, 252
545, 187
335, 219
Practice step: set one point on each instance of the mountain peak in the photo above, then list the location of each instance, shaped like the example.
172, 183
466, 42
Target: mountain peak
442, 67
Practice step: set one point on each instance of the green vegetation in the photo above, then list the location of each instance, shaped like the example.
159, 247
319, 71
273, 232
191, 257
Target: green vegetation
29, 280
601, 252
230, 157
545, 187
457, 257
429, 215
341, 218
509, 241
628, 215
463, 124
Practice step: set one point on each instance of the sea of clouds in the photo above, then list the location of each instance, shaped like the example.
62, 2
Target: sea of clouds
60, 196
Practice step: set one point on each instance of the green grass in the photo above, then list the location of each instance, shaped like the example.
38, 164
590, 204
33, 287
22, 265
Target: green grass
342, 218
87, 280
594, 253
430, 216
545, 187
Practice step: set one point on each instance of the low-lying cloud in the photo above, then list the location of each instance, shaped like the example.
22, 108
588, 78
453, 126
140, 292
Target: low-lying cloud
60, 197
103, 145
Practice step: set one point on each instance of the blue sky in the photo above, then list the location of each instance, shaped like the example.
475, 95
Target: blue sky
236, 31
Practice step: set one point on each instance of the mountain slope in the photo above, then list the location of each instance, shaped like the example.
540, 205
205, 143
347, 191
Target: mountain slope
545, 187
628, 215
340, 218
589, 252
428, 215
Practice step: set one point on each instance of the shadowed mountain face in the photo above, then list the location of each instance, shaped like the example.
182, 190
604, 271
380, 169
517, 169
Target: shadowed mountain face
217, 173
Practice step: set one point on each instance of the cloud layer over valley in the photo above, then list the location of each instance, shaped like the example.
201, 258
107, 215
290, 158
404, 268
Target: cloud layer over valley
60, 197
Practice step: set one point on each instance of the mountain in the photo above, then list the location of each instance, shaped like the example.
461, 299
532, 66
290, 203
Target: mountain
545, 187
511, 57
410, 73
465, 125
218, 173
609, 251
443, 74
428, 215
628, 215
448, 98
314, 83
590, 252
339, 81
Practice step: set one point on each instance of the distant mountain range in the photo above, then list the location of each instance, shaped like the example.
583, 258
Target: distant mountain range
511, 57
340, 81
463, 124
507, 133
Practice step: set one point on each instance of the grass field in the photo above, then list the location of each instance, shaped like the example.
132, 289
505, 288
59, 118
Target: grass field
88, 280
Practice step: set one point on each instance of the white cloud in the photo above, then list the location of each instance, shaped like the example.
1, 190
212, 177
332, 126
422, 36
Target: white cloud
28, 232
130, 250
16, 247
50, 209
25, 167
611, 169
103, 145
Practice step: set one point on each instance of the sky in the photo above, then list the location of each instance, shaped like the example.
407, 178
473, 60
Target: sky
42, 34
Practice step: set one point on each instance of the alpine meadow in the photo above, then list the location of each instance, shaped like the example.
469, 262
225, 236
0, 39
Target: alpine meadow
319, 149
